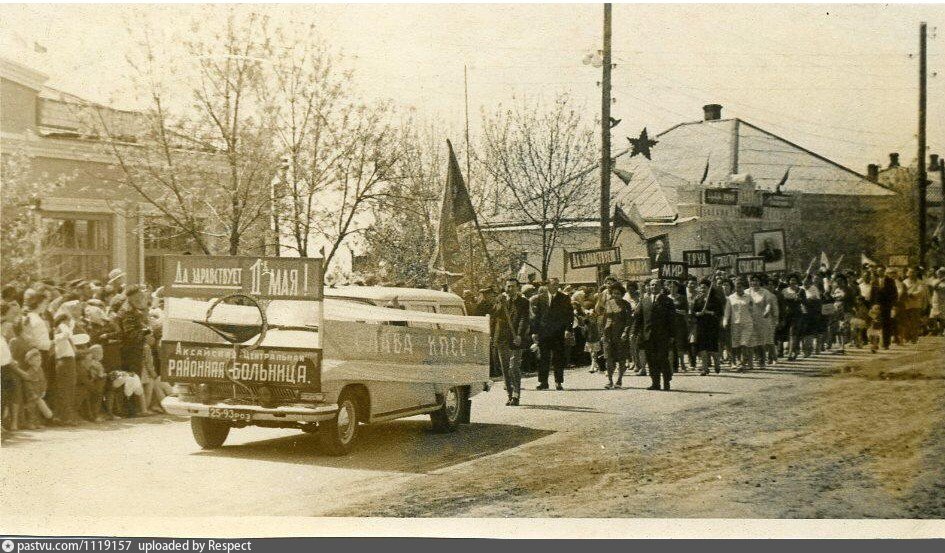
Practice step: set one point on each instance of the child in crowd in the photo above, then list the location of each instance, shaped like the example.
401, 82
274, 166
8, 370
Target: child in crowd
875, 332
131, 385
100, 386
90, 377
592, 337
153, 393
34, 390
859, 322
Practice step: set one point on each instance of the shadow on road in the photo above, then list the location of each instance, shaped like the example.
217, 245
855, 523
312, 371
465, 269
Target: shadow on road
44, 434
710, 392
401, 446
567, 408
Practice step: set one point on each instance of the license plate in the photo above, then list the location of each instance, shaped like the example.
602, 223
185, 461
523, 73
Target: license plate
230, 414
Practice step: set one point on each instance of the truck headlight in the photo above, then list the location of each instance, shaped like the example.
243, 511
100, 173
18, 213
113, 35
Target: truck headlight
180, 390
203, 392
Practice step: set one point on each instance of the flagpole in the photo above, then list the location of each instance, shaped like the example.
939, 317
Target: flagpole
466, 96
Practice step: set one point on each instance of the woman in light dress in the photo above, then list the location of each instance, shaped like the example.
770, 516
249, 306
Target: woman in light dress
937, 311
740, 321
764, 313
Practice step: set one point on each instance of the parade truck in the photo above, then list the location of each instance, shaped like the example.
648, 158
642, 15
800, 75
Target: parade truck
254, 341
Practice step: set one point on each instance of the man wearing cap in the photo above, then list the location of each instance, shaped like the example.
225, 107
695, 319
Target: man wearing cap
511, 332
116, 279
551, 321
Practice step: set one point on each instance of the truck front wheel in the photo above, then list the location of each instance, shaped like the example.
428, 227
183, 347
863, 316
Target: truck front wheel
455, 409
337, 435
209, 433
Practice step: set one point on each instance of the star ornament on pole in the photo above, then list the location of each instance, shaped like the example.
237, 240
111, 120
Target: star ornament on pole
641, 145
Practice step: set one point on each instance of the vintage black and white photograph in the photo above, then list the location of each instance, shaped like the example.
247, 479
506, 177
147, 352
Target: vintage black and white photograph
518, 268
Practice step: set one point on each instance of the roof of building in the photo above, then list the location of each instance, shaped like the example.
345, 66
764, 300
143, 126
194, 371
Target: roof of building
710, 152
934, 190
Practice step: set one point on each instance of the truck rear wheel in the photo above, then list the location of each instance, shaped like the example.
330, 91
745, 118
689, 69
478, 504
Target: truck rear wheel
337, 436
455, 409
209, 433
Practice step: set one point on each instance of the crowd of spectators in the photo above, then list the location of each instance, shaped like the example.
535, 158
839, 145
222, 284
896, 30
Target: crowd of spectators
80, 351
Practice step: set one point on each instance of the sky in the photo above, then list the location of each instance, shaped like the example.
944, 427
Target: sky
841, 80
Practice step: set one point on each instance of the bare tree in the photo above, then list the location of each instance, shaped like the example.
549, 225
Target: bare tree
205, 166
338, 150
402, 235
536, 156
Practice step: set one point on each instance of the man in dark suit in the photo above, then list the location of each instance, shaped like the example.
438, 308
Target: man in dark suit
653, 326
509, 336
887, 295
552, 318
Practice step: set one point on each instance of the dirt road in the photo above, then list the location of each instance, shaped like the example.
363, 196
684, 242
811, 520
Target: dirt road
853, 436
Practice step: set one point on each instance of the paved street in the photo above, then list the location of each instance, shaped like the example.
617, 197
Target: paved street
784, 442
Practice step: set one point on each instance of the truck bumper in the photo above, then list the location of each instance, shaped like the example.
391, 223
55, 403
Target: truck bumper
283, 413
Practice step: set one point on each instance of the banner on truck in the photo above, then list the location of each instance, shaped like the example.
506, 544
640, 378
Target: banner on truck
265, 278
202, 362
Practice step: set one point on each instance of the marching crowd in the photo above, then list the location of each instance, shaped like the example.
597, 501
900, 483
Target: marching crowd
82, 350
87, 349
659, 327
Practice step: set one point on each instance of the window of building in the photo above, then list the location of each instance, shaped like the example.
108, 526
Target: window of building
161, 238
76, 246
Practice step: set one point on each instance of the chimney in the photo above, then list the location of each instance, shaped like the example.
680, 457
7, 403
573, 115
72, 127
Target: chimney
713, 112
933, 162
872, 172
894, 159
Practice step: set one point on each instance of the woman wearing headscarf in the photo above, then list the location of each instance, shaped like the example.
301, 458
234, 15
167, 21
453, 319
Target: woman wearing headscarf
707, 310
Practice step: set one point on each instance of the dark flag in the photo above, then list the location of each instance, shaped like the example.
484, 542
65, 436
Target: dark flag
455, 210
777, 189
630, 217
705, 173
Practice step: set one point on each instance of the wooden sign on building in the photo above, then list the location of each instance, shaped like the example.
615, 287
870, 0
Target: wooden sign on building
721, 196
770, 199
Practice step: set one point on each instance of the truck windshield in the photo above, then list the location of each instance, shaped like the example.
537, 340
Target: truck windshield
291, 323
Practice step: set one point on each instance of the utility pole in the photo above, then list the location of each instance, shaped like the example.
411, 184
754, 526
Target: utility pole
604, 270
922, 177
